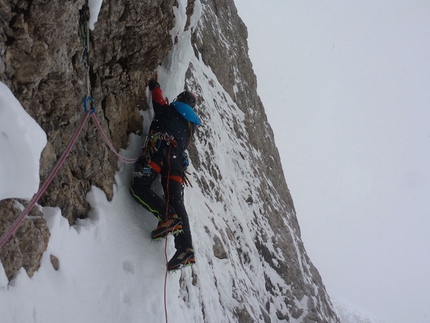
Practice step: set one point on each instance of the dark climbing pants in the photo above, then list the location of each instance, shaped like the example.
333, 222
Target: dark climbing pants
173, 192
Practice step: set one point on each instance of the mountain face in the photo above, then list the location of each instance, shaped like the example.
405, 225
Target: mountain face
241, 199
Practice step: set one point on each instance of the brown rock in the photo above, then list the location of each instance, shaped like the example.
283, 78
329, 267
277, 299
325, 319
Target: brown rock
26, 246
55, 262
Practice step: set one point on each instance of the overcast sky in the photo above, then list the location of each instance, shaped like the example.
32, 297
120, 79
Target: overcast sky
346, 86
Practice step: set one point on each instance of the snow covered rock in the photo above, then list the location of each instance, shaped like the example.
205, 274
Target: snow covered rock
251, 263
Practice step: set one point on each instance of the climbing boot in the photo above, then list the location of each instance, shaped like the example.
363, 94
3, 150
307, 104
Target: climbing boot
181, 259
174, 225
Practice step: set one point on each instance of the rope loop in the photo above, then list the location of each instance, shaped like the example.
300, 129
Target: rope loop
5, 237
109, 143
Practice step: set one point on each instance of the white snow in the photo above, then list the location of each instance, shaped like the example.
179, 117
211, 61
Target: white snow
350, 313
95, 6
21, 143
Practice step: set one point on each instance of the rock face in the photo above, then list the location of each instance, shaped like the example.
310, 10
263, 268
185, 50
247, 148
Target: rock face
40, 52
26, 247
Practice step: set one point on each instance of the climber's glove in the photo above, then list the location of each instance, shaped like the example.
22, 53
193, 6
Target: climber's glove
152, 84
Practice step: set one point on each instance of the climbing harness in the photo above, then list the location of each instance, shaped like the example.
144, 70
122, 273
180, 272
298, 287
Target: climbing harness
151, 145
158, 137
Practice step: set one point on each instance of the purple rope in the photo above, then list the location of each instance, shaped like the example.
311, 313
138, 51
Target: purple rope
106, 139
5, 237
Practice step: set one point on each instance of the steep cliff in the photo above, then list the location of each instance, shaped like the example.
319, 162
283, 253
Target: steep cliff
244, 205
219, 42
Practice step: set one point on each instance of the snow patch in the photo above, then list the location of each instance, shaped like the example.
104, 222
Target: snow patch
95, 6
21, 144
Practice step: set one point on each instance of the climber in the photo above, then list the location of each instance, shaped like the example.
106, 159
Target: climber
165, 152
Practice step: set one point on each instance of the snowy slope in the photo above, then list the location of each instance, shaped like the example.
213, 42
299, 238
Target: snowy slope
110, 271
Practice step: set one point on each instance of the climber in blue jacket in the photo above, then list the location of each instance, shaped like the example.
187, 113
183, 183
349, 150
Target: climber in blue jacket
164, 152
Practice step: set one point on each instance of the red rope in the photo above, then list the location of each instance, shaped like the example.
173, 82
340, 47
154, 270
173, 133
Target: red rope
5, 237
110, 145
165, 243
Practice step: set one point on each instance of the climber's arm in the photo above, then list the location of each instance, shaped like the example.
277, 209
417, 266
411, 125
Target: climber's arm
157, 96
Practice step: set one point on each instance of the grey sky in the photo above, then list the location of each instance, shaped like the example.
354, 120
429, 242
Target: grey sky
346, 86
